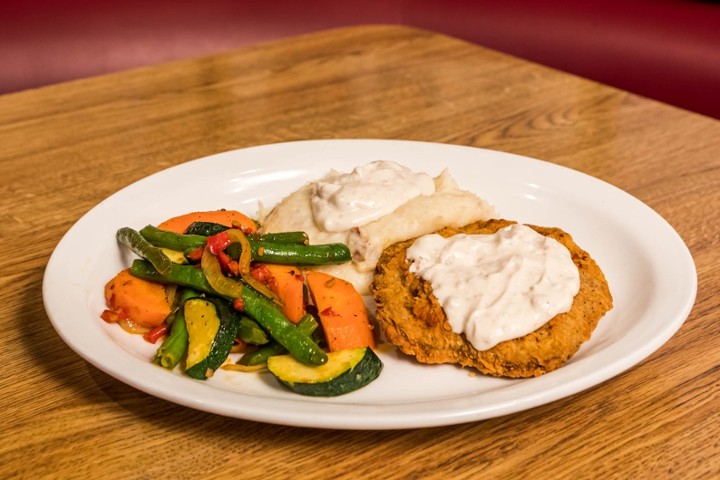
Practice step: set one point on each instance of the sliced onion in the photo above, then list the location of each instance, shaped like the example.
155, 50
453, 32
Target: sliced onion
171, 290
262, 289
230, 288
244, 368
237, 236
213, 273
132, 327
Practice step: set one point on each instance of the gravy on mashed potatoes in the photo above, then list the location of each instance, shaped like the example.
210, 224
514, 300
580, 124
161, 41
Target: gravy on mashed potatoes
371, 208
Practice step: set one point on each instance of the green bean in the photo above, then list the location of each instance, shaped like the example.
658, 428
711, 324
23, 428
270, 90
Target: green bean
289, 248
307, 325
172, 240
137, 243
183, 275
261, 308
300, 238
299, 344
293, 254
175, 345
209, 228
251, 332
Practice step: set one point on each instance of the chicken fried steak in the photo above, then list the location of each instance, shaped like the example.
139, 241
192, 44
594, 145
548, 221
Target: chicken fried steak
413, 320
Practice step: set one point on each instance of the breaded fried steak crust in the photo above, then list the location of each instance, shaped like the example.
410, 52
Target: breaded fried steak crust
413, 320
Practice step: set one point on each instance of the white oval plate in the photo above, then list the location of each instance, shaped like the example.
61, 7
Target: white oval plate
650, 271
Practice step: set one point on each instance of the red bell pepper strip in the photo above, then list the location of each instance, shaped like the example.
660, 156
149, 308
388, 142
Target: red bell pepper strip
218, 242
153, 335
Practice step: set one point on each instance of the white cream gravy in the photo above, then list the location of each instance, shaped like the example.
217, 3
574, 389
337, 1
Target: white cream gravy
343, 201
500, 286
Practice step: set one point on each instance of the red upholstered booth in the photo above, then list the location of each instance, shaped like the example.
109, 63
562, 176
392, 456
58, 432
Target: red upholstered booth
664, 49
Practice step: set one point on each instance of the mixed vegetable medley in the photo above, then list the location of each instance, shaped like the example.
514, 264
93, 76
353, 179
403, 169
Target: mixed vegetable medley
208, 284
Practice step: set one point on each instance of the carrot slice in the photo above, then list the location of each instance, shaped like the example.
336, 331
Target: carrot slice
287, 282
342, 312
224, 217
143, 302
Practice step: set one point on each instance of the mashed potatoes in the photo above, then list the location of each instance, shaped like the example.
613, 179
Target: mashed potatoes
422, 214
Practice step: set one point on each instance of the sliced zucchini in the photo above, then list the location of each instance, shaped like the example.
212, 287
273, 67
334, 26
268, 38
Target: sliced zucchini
175, 256
206, 229
212, 326
344, 372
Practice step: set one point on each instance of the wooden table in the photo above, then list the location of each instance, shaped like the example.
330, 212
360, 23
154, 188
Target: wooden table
64, 148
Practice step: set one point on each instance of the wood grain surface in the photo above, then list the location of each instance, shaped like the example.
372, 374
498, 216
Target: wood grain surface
65, 148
